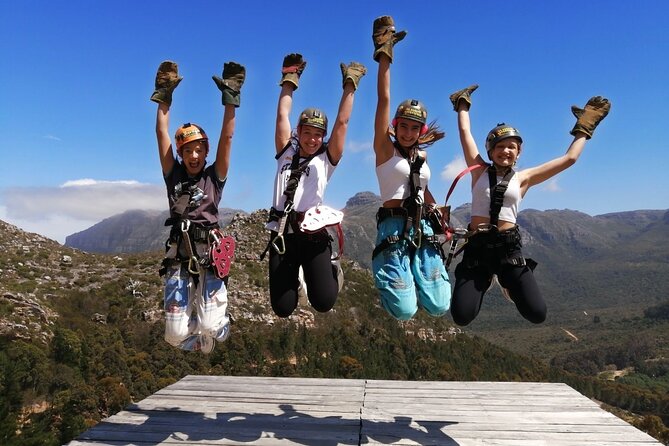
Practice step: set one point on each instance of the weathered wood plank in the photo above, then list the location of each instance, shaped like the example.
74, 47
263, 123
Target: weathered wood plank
217, 410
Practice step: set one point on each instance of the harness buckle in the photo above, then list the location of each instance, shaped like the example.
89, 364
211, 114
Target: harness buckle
459, 233
484, 227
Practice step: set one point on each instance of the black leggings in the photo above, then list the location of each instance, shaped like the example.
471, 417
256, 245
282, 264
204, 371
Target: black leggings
473, 277
312, 252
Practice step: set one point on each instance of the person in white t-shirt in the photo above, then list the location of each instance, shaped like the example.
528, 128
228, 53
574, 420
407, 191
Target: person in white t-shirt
305, 163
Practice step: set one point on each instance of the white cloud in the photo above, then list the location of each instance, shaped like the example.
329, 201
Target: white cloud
56, 212
452, 169
357, 147
92, 182
552, 186
55, 227
52, 137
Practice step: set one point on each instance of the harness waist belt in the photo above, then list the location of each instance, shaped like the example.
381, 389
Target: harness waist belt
384, 213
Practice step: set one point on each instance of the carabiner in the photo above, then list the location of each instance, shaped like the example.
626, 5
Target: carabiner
192, 260
279, 238
417, 235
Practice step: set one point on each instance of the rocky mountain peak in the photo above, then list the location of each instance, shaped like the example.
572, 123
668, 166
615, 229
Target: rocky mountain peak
364, 199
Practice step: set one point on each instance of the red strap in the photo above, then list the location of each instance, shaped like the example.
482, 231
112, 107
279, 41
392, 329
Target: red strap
460, 175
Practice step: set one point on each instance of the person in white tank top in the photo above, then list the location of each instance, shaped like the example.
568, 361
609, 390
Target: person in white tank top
407, 262
494, 249
305, 152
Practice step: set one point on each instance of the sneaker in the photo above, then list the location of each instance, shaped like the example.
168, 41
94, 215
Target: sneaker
301, 288
198, 343
340, 274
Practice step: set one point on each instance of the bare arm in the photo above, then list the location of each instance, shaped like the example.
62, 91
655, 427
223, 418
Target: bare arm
539, 174
383, 146
225, 142
469, 148
163, 136
336, 143
282, 134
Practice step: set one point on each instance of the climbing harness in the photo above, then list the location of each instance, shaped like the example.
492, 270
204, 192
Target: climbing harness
494, 244
288, 215
413, 210
185, 236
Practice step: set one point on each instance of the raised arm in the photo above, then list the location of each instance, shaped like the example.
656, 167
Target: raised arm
461, 103
293, 66
230, 85
351, 75
587, 120
382, 145
282, 133
539, 174
384, 38
167, 79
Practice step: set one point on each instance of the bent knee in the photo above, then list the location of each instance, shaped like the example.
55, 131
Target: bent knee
537, 317
462, 318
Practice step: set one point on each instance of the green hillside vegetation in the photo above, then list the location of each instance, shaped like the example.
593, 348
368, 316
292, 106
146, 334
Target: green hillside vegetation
85, 339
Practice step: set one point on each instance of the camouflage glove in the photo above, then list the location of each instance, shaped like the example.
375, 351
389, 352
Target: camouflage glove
293, 66
588, 118
385, 37
463, 95
353, 72
231, 83
167, 79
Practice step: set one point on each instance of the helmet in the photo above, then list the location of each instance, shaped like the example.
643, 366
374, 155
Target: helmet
314, 117
411, 109
502, 131
190, 132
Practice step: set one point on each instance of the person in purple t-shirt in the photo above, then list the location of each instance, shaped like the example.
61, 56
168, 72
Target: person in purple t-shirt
195, 287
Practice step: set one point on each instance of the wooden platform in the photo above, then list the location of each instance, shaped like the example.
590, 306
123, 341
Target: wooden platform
224, 410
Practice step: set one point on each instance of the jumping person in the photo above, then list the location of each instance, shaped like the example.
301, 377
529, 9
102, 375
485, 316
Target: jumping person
408, 260
195, 299
494, 244
305, 163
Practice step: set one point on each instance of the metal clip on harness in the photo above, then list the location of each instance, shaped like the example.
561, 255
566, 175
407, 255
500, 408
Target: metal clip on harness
279, 240
185, 226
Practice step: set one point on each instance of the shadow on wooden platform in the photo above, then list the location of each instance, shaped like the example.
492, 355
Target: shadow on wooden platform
223, 410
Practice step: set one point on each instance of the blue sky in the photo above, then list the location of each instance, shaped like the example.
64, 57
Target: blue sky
78, 139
